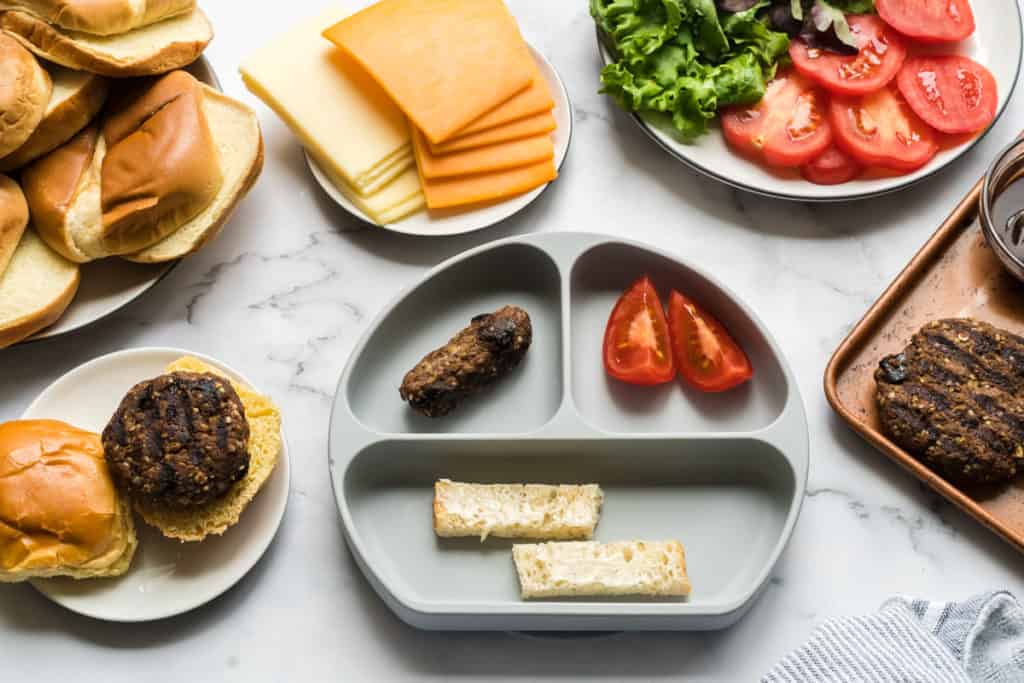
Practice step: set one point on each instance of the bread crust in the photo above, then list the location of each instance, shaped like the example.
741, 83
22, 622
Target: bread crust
14, 331
23, 99
61, 122
68, 48
13, 219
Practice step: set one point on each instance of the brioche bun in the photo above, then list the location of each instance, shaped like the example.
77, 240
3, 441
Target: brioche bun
25, 90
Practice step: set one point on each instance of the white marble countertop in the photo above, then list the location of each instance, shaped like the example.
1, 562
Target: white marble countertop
288, 288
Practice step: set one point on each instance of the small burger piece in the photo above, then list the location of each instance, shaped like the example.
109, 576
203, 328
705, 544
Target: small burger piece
193, 448
179, 441
476, 357
60, 513
954, 398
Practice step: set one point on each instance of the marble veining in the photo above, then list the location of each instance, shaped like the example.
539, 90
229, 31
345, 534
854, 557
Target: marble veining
287, 289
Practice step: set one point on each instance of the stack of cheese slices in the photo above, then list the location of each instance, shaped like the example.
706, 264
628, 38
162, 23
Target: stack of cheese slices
101, 163
413, 103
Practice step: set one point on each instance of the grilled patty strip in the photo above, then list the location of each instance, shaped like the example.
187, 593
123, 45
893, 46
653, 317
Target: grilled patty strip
955, 399
476, 357
179, 440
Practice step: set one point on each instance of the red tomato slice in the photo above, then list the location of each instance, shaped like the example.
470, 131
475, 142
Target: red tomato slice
833, 167
952, 94
930, 21
636, 341
880, 129
788, 127
706, 355
881, 55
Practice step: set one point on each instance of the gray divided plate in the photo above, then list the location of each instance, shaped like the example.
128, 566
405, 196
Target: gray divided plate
724, 474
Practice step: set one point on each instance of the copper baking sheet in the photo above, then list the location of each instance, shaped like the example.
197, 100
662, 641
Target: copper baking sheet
955, 274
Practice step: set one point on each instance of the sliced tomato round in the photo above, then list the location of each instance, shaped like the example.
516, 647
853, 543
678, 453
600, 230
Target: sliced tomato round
880, 129
929, 21
636, 341
788, 127
833, 167
952, 94
879, 60
707, 357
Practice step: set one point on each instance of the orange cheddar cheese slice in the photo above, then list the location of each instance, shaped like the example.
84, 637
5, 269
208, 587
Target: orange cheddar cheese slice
534, 100
444, 62
442, 193
538, 124
482, 159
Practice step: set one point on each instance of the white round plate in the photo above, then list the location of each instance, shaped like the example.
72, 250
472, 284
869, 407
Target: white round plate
996, 43
111, 284
167, 577
435, 224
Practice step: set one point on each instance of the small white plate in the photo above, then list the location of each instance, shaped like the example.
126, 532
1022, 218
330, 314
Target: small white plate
996, 43
167, 577
434, 224
108, 285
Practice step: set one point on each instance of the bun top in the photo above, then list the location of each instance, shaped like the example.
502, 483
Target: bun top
58, 505
161, 166
24, 94
101, 17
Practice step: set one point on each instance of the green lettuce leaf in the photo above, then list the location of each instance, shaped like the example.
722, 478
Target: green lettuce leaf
681, 58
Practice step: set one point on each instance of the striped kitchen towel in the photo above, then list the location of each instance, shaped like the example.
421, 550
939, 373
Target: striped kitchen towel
915, 641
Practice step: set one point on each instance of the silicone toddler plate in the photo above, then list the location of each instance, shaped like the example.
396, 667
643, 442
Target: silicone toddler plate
724, 474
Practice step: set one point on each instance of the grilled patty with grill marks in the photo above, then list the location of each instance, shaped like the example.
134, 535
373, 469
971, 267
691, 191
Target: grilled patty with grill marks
493, 344
955, 399
179, 440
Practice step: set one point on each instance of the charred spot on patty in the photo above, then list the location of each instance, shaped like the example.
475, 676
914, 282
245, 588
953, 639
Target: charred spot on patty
179, 440
479, 355
954, 398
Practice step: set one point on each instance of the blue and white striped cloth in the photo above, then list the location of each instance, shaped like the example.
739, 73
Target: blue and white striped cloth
915, 641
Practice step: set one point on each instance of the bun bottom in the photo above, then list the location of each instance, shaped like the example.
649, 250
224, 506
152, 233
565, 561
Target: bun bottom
216, 517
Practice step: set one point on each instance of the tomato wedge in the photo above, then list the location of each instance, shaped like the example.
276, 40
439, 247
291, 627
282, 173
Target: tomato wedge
636, 341
952, 94
706, 355
929, 21
788, 127
881, 55
880, 129
833, 167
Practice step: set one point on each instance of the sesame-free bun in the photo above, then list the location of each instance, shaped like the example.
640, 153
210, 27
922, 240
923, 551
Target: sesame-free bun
35, 289
218, 516
145, 51
101, 17
76, 99
25, 90
13, 219
60, 514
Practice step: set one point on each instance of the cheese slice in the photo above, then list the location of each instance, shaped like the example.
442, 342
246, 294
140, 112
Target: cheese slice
483, 159
537, 124
534, 100
485, 187
331, 104
444, 62
384, 173
402, 196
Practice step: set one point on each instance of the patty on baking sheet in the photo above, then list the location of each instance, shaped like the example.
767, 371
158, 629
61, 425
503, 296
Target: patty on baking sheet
955, 399
179, 440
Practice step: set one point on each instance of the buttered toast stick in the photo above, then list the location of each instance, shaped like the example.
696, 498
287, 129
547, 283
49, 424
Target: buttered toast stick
537, 511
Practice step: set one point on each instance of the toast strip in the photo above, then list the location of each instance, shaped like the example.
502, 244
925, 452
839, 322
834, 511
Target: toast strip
538, 511
591, 569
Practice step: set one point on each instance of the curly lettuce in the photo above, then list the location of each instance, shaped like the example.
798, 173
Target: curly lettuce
684, 59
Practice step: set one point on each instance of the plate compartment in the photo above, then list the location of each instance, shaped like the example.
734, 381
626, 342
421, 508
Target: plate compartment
728, 487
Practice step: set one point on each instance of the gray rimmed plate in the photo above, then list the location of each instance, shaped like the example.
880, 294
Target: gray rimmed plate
443, 223
111, 284
996, 43
724, 474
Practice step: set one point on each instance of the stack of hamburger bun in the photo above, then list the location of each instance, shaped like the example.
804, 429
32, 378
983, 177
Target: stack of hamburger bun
108, 147
187, 451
